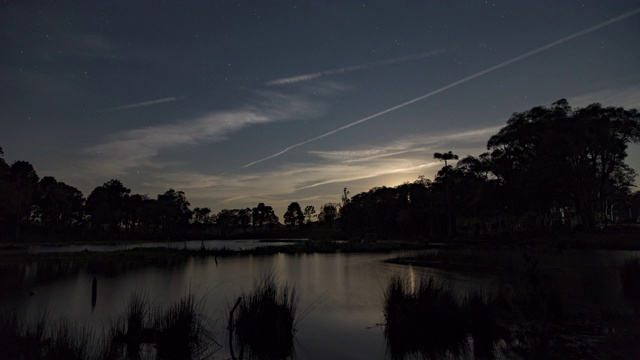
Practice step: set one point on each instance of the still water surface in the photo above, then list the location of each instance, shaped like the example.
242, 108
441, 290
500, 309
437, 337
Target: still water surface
340, 295
340, 305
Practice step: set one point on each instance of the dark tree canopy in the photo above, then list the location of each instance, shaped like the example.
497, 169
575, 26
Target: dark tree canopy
263, 215
309, 212
328, 213
445, 157
559, 156
58, 203
294, 216
106, 205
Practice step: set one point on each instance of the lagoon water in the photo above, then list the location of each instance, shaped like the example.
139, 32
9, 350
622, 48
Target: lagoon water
339, 312
341, 295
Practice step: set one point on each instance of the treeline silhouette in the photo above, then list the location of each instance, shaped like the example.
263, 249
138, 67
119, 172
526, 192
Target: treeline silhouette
47, 209
549, 167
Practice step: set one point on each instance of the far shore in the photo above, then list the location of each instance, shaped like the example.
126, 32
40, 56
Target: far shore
627, 238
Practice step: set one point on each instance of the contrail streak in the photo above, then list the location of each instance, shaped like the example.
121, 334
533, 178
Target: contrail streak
454, 84
144, 103
342, 70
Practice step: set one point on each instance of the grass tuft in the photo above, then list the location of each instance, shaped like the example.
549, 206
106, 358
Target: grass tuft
265, 320
630, 277
424, 320
180, 331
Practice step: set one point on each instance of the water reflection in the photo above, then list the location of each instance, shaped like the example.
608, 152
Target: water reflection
341, 295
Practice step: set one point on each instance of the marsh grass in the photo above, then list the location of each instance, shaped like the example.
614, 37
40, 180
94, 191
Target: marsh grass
43, 339
136, 313
425, 320
70, 342
630, 278
23, 337
181, 332
265, 321
178, 331
481, 311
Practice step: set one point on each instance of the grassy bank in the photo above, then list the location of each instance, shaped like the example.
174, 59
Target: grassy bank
549, 303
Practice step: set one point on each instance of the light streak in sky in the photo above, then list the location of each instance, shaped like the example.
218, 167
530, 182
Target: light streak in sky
454, 84
144, 103
342, 70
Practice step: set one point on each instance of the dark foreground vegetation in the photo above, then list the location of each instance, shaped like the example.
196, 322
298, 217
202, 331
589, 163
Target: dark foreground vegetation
264, 321
263, 324
178, 331
554, 168
545, 306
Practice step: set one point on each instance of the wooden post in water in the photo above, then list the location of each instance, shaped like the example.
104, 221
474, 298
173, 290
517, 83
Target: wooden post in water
94, 292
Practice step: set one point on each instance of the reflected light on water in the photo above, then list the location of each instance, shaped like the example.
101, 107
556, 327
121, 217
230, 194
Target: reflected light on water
412, 279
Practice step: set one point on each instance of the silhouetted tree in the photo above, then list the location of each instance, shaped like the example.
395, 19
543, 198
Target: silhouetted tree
445, 157
263, 215
58, 203
294, 216
4, 167
22, 188
549, 157
344, 199
106, 205
139, 213
309, 213
328, 213
226, 221
443, 175
173, 210
244, 218
5, 194
201, 216
384, 212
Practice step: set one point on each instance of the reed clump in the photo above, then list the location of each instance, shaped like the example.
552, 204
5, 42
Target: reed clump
630, 278
176, 332
43, 339
265, 320
425, 319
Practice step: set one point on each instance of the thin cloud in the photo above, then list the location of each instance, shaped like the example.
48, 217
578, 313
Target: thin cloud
144, 103
414, 143
453, 84
139, 147
311, 76
359, 175
627, 97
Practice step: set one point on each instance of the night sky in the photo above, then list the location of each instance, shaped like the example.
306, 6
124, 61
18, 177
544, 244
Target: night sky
241, 102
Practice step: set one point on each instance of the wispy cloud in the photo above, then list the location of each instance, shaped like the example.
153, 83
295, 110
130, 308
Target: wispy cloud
453, 84
627, 97
144, 103
139, 147
411, 144
314, 75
